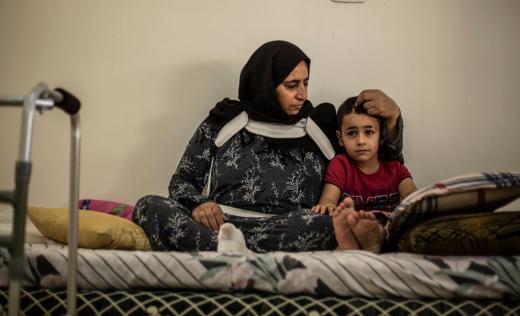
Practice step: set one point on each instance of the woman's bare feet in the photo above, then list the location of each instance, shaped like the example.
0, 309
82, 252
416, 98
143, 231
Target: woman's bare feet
342, 228
367, 230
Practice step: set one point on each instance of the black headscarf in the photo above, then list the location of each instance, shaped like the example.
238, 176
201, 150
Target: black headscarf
269, 65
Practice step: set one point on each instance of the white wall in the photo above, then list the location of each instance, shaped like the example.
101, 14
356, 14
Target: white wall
147, 73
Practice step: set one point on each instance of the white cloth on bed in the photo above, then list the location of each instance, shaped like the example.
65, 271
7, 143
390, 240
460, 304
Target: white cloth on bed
342, 273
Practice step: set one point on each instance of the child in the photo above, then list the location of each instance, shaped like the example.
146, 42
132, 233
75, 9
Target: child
369, 188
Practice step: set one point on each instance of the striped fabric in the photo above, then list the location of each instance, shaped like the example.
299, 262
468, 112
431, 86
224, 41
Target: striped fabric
479, 192
339, 273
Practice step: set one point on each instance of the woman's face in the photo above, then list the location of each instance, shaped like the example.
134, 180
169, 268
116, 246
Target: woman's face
292, 92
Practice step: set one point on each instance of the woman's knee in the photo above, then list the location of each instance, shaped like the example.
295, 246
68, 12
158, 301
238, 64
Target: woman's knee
145, 206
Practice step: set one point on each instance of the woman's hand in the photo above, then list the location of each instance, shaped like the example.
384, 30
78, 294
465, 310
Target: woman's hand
209, 215
376, 102
323, 208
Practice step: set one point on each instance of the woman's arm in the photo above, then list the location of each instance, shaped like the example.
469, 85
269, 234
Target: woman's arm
393, 149
189, 179
406, 187
329, 199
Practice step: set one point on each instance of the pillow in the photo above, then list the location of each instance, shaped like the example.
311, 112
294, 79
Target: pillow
464, 194
95, 230
481, 234
109, 207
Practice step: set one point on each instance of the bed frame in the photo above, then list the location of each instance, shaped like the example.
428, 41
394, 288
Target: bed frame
40, 98
185, 302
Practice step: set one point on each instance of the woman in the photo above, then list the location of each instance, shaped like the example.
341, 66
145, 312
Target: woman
265, 156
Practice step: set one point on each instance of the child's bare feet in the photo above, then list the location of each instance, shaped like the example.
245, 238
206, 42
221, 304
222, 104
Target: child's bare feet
342, 228
366, 230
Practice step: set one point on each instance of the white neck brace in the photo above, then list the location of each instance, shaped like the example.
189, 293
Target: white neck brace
300, 129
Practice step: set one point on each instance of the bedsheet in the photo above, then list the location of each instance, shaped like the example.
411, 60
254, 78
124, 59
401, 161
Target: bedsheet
324, 273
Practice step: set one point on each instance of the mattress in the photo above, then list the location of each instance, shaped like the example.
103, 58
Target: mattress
324, 273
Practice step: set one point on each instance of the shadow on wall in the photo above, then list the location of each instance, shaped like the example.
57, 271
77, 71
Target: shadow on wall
190, 92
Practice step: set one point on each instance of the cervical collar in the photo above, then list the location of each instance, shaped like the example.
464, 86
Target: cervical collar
303, 127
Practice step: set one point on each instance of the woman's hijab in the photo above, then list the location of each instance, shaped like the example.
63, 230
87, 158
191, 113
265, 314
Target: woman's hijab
267, 67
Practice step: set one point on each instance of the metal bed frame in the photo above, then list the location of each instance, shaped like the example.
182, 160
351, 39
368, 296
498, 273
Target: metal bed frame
42, 99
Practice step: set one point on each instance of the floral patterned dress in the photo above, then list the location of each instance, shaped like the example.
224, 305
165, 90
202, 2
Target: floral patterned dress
246, 173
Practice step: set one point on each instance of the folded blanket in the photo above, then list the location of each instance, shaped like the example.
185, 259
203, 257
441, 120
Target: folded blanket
109, 207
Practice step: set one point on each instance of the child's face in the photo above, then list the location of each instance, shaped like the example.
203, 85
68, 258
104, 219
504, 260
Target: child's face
360, 136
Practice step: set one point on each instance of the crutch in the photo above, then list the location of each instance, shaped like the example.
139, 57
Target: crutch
42, 99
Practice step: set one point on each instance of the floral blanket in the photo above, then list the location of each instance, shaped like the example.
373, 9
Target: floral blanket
339, 273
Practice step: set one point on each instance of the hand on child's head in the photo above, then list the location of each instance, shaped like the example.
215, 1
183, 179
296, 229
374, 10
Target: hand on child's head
360, 100
377, 103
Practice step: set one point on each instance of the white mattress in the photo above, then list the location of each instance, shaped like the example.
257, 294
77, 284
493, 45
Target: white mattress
342, 273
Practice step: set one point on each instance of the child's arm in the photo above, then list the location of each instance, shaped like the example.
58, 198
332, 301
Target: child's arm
406, 187
328, 200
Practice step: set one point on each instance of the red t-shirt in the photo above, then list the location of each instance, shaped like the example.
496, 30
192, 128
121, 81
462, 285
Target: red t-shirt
377, 191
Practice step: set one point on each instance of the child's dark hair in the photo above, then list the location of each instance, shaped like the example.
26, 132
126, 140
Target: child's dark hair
349, 107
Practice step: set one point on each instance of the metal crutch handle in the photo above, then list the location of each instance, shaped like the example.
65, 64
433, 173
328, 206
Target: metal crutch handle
66, 101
